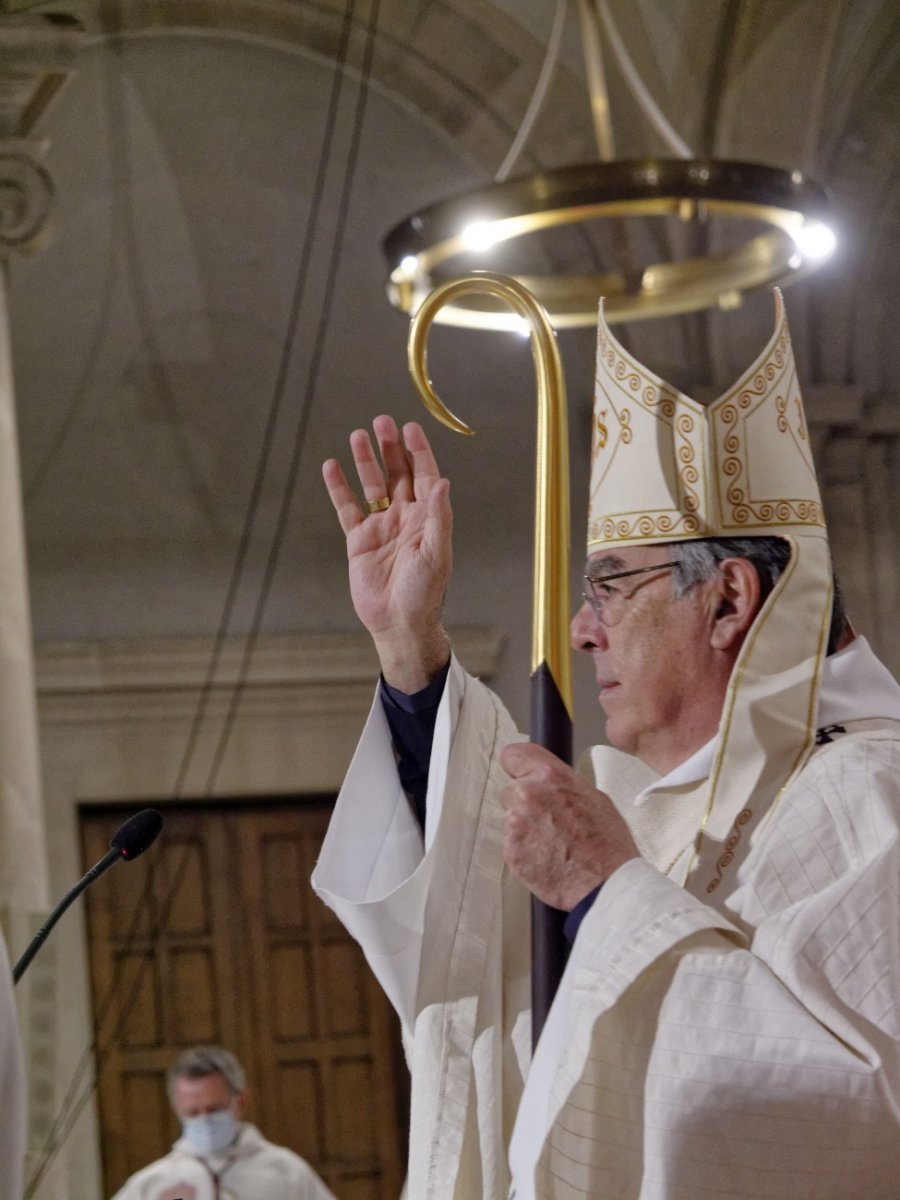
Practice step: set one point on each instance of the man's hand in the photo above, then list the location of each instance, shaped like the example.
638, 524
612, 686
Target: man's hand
561, 836
400, 558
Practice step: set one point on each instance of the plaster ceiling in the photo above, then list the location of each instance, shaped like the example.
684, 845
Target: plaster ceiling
209, 266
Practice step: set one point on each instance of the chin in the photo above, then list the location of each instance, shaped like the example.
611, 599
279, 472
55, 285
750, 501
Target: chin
619, 738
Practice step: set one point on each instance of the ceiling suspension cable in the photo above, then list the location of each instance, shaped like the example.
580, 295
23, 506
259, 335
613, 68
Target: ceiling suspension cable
638, 88
536, 103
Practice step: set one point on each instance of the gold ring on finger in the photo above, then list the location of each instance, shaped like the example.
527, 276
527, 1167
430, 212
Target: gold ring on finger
374, 506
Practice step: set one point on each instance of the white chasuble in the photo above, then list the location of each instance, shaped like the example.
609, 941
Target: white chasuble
251, 1169
751, 1049
447, 936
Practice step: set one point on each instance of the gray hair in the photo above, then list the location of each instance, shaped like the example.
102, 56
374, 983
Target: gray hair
200, 1061
699, 560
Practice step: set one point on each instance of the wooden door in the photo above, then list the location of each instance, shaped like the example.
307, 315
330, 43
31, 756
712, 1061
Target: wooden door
214, 935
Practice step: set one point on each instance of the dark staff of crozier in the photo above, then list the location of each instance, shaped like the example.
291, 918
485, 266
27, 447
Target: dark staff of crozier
551, 681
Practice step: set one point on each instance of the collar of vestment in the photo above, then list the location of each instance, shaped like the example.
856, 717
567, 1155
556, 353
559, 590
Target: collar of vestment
664, 813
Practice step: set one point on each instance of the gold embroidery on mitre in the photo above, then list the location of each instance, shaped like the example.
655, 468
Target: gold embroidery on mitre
602, 435
651, 397
765, 400
741, 464
801, 420
625, 418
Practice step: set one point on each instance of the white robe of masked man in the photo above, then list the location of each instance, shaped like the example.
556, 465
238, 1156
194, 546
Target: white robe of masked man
250, 1169
729, 1019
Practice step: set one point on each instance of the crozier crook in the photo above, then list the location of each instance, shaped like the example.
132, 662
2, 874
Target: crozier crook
551, 683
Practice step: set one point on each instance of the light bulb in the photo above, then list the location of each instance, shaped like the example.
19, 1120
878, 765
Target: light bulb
479, 235
814, 239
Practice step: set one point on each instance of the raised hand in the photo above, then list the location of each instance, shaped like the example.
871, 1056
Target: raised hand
400, 555
561, 836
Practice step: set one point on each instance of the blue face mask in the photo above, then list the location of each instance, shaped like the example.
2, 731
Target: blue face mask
211, 1133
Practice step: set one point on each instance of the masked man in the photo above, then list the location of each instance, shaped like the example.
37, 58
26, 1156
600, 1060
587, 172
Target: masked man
219, 1156
728, 1023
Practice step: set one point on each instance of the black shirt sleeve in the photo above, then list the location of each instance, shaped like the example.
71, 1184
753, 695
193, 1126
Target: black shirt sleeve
411, 720
578, 913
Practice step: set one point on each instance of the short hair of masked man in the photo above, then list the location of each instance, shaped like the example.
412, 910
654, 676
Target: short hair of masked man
728, 1021
219, 1156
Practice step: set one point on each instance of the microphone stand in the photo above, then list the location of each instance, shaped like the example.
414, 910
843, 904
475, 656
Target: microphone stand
128, 842
112, 855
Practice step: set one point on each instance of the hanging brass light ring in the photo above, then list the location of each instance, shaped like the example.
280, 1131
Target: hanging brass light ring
421, 248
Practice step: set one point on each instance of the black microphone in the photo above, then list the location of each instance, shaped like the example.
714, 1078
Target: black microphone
129, 841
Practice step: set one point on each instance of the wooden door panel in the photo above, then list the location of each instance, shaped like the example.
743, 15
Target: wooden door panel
343, 1006
319, 1002
216, 936
144, 1093
158, 946
359, 1187
300, 1090
291, 1012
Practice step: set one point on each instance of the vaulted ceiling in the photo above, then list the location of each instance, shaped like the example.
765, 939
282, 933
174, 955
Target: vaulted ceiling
204, 319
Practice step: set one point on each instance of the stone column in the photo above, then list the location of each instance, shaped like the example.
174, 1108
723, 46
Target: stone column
23, 872
34, 63
36, 58
24, 203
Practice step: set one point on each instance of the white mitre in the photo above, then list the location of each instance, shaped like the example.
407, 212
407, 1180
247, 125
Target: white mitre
666, 468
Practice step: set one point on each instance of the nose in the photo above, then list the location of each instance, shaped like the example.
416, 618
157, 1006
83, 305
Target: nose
586, 631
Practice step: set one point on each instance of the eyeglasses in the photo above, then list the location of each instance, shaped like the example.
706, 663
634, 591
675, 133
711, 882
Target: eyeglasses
608, 602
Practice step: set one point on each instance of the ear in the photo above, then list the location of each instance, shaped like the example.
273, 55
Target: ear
240, 1103
739, 600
